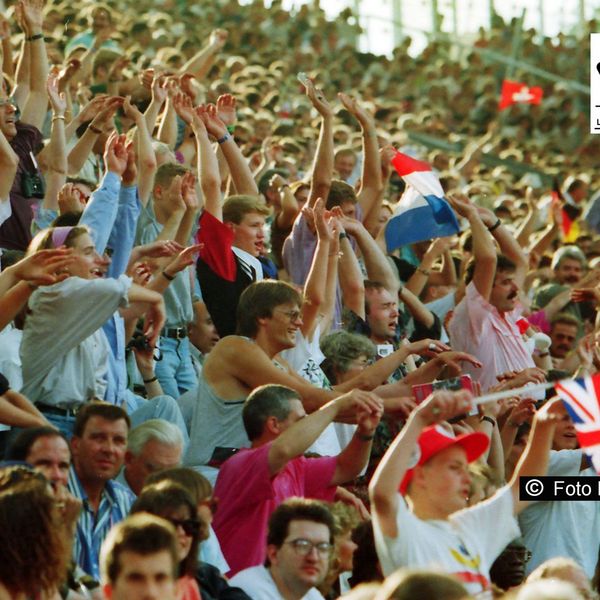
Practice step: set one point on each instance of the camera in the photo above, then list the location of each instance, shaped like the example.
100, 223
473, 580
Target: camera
384, 350
139, 341
32, 185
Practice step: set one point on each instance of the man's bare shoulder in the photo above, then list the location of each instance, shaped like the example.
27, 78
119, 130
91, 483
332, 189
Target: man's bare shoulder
233, 343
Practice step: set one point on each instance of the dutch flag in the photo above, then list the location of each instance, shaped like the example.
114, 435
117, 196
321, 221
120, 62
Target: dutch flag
422, 213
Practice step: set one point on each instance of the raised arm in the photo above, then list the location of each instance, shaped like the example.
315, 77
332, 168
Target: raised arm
208, 168
371, 184
146, 159
534, 460
36, 104
296, 440
81, 150
54, 155
238, 165
377, 265
6, 51
9, 162
21, 88
159, 96
314, 289
253, 368
201, 62
509, 246
383, 489
322, 170
484, 251
424, 274
350, 275
18, 281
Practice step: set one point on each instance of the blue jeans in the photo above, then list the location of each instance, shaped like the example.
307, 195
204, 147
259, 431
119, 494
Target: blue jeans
63, 423
175, 371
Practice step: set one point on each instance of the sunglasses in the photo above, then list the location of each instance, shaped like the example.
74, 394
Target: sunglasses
191, 527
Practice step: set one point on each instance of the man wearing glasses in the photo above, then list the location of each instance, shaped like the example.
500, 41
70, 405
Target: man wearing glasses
299, 545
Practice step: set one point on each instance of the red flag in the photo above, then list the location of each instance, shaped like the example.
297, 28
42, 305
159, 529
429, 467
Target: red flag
515, 92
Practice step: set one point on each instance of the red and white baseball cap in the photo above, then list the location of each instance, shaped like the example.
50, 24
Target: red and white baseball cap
436, 438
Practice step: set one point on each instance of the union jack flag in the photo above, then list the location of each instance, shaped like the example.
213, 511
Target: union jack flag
582, 400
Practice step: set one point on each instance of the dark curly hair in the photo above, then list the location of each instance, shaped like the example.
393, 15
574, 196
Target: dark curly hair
35, 551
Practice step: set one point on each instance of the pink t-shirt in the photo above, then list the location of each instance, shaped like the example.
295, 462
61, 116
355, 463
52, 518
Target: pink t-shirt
478, 328
247, 497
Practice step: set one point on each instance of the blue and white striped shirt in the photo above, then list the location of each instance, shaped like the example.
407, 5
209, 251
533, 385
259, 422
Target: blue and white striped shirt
93, 527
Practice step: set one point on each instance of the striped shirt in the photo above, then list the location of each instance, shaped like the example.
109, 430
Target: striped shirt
93, 527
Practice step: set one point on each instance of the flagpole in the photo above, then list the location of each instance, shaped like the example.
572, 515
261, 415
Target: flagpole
526, 389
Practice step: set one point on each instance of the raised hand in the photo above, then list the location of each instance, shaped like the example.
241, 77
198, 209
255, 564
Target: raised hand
131, 111
184, 108
69, 200
317, 98
67, 72
427, 347
439, 246
214, 125
57, 99
343, 495
353, 106
218, 38
158, 85
462, 205
400, 407
522, 412
44, 267
323, 222
33, 15
188, 191
443, 405
141, 273
226, 109
159, 249
92, 108
184, 259
153, 322
115, 153
189, 85
174, 194
107, 112
551, 411
129, 176
453, 359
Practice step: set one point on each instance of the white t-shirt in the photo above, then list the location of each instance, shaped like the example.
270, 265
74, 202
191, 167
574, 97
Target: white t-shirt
305, 358
571, 528
465, 545
259, 585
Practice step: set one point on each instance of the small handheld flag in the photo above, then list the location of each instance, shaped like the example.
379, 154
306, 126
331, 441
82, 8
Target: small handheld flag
422, 213
582, 400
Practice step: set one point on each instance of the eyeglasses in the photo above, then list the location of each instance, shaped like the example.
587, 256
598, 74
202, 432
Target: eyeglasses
191, 527
304, 547
292, 315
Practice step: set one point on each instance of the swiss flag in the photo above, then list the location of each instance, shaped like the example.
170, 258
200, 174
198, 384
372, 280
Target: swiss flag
515, 92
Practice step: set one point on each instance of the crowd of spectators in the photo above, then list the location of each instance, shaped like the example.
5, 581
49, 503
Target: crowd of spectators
217, 379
